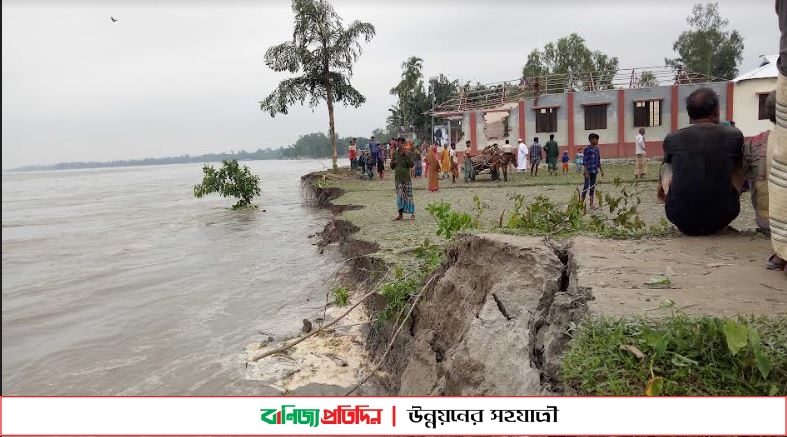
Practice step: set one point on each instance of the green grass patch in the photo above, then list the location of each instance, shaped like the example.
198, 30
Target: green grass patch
341, 296
407, 281
680, 356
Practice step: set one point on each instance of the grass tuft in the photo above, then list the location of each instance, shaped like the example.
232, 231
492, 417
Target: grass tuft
683, 356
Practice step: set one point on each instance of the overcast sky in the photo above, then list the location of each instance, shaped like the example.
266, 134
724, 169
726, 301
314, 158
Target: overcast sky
171, 78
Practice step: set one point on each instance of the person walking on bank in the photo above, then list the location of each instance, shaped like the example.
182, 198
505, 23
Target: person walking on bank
535, 156
521, 156
639, 150
432, 168
552, 151
592, 159
352, 153
401, 163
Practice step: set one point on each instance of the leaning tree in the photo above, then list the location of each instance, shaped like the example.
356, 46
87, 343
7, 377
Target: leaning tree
323, 52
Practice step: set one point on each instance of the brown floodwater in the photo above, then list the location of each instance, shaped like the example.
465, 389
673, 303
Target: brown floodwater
120, 282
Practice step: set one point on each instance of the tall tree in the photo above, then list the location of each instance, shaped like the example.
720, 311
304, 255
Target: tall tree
410, 94
324, 52
708, 48
579, 67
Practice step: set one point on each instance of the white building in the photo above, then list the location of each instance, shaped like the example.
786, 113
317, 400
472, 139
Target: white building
751, 90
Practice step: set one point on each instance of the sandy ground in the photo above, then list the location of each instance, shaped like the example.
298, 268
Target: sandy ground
720, 275
334, 358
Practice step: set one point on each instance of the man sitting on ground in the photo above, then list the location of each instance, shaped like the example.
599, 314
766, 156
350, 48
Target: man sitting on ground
702, 172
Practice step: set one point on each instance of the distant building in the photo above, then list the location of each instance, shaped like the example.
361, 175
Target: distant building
751, 90
614, 108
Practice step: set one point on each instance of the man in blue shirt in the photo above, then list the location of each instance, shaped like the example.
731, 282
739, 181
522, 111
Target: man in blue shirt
535, 156
592, 161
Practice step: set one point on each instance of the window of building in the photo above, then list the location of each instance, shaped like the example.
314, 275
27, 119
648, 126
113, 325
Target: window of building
647, 113
595, 117
762, 113
546, 120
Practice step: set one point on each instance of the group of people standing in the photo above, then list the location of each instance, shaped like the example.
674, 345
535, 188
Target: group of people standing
407, 161
530, 157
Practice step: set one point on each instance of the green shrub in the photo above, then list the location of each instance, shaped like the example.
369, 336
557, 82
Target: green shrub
230, 180
449, 222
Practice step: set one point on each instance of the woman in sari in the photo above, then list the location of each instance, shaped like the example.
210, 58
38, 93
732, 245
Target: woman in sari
445, 161
401, 164
433, 167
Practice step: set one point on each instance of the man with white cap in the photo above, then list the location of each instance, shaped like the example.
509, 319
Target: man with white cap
521, 155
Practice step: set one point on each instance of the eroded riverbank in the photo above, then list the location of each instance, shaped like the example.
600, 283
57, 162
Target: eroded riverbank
498, 315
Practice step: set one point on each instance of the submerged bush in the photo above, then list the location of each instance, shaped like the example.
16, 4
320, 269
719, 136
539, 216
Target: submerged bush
230, 180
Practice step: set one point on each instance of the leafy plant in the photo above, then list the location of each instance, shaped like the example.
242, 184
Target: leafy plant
341, 296
407, 281
230, 180
617, 216
449, 222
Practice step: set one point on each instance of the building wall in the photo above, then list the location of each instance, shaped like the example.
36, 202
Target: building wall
746, 108
608, 135
685, 90
513, 123
653, 133
561, 136
612, 144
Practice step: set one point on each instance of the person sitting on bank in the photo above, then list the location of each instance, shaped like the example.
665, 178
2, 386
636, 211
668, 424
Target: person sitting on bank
702, 172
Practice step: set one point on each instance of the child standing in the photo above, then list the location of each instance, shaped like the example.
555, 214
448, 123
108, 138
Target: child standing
580, 160
592, 162
564, 160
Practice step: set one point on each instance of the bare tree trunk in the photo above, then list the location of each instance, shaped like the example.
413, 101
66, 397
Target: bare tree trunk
331, 125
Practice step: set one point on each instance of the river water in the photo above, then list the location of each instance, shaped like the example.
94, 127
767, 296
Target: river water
120, 282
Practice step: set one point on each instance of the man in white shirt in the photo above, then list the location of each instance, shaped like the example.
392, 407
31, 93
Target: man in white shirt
521, 156
639, 149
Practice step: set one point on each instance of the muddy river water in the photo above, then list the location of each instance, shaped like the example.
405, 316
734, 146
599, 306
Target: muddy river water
120, 282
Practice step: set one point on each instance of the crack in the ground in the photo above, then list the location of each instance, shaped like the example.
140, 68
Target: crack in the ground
541, 319
501, 307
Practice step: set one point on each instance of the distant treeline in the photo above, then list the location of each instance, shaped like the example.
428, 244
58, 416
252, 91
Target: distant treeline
314, 145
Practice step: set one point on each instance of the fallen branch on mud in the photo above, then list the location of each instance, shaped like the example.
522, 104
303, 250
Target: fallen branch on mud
393, 339
322, 328
286, 346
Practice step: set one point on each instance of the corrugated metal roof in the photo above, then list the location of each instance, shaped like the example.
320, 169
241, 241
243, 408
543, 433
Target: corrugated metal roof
767, 69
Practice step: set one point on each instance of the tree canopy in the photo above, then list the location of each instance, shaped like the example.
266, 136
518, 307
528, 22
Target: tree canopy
708, 48
647, 79
414, 98
571, 57
322, 52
